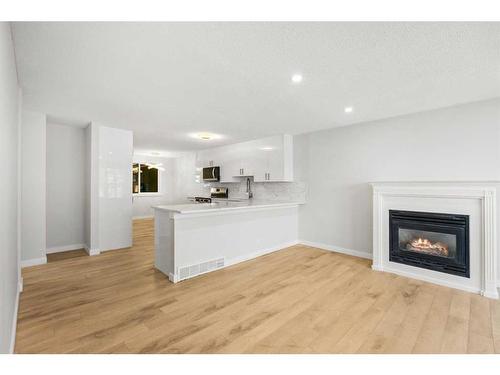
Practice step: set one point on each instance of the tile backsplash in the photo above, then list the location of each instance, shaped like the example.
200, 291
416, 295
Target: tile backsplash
274, 191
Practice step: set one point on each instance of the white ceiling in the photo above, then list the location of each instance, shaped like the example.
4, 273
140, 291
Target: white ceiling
167, 80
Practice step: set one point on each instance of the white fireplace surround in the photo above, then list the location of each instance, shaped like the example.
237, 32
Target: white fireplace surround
476, 199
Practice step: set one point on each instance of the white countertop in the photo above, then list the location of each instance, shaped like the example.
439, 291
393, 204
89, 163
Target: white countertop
191, 208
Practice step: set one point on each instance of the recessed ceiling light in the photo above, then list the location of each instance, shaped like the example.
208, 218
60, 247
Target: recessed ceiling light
348, 109
297, 78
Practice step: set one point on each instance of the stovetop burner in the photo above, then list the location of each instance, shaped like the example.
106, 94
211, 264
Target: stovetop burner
202, 200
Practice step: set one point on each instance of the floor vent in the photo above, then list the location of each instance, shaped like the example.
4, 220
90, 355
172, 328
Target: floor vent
197, 269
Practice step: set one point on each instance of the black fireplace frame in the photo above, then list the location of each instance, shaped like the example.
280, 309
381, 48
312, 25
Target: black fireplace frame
431, 221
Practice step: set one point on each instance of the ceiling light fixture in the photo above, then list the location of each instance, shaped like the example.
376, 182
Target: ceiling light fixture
297, 78
205, 137
348, 109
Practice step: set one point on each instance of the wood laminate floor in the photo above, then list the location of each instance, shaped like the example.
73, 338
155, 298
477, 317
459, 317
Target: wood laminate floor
297, 300
55, 257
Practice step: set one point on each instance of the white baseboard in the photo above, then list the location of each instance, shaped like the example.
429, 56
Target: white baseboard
92, 252
256, 254
14, 318
59, 249
337, 249
227, 263
33, 262
492, 294
143, 217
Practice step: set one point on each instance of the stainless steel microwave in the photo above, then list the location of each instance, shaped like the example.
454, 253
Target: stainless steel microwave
211, 174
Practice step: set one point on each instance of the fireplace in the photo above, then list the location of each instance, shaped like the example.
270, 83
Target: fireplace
435, 241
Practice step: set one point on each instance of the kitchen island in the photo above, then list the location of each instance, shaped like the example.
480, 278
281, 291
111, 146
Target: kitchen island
192, 239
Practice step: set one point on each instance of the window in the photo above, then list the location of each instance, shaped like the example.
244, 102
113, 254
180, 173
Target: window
145, 179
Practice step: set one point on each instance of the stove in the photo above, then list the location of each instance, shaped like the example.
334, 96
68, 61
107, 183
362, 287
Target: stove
215, 193
219, 192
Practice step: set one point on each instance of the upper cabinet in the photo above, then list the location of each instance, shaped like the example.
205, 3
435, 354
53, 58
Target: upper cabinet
274, 157
208, 158
267, 159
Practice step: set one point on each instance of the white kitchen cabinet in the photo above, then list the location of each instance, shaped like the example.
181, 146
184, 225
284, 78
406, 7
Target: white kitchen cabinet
235, 161
208, 158
114, 213
229, 163
244, 157
267, 159
275, 159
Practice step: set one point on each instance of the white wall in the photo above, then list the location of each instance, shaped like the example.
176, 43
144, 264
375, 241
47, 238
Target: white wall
9, 128
66, 174
456, 144
142, 203
33, 151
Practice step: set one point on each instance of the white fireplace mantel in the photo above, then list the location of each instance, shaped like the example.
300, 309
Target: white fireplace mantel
478, 200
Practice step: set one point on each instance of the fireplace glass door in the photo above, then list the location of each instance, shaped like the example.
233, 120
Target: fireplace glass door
435, 241
426, 242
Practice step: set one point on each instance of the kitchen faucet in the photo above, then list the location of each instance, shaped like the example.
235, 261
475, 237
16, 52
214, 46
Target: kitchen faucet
249, 189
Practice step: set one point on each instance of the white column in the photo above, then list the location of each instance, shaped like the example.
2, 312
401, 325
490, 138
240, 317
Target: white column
489, 288
377, 229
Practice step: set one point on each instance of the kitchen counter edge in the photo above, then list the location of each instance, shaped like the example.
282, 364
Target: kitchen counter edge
197, 208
